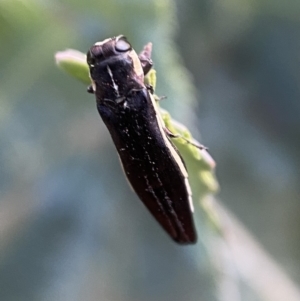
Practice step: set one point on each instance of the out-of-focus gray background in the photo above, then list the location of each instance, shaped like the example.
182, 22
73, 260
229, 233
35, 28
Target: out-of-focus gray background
244, 56
70, 227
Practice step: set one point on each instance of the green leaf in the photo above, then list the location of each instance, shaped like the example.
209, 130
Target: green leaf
74, 63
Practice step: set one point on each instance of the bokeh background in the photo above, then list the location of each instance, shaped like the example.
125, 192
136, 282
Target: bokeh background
70, 227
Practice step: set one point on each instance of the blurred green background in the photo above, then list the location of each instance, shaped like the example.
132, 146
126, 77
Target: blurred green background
71, 228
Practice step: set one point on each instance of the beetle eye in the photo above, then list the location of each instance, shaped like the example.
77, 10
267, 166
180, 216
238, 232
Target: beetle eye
122, 45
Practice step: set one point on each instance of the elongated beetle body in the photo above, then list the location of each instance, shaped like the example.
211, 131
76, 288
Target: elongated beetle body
150, 161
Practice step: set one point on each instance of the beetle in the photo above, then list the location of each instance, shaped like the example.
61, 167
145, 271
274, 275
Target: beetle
151, 163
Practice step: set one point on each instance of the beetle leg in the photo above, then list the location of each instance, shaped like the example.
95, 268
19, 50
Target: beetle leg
150, 89
145, 58
171, 135
159, 98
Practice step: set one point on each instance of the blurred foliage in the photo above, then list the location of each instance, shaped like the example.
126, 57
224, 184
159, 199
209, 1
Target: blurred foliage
70, 227
244, 57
